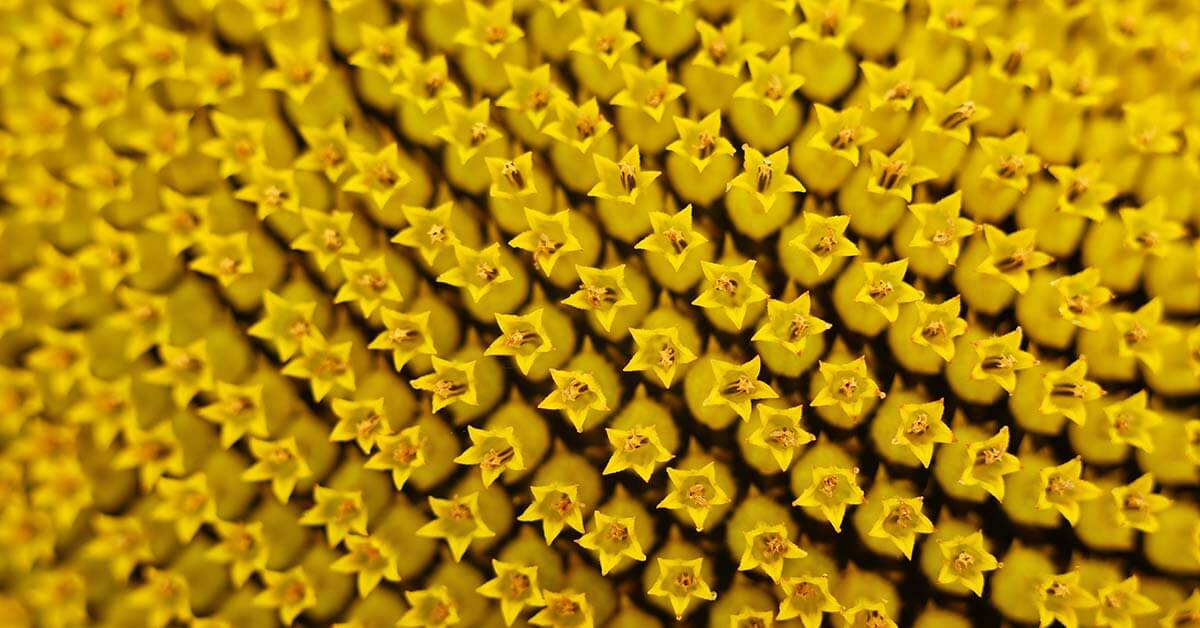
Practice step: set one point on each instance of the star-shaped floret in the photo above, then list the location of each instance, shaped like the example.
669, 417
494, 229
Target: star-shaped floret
951, 113
577, 394
827, 21
522, 337
1130, 422
326, 366
1081, 297
841, 133
383, 50
512, 179
772, 81
1137, 504
885, 290
328, 149
426, 83
1059, 597
555, 505
790, 324
623, 180
477, 271
490, 28
370, 559
999, 357
565, 609
824, 238
922, 426
679, 581
612, 538
731, 289
779, 432
1068, 391
938, 325
672, 236
832, 490
847, 386
279, 461
548, 238
965, 560
515, 586
326, 236
377, 175
428, 230
940, 226
767, 546
406, 334
647, 90
399, 453
1082, 191
530, 92
359, 421
604, 36
1121, 602
495, 451
449, 382
369, 283
601, 291
1149, 230
639, 448
808, 598
737, 386
988, 461
765, 177
896, 174
341, 512
578, 126
724, 50
1143, 335
290, 592
1062, 488
457, 521
696, 491
868, 614
1009, 161
467, 131
700, 141
1011, 256
429, 608
892, 87
660, 352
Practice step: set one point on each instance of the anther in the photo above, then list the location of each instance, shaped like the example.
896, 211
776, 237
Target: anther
959, 115
513, 175
628, 176
479, 132
763, 175
892, 173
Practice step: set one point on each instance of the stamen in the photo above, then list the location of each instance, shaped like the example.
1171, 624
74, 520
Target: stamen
1013, 262
892, 173
497, 458
676, 239
1003, 362
763, 175
574, 389
959, 116
919, 425
774, 87
705, 144
479, 132
513, 175
628, 177
784, 437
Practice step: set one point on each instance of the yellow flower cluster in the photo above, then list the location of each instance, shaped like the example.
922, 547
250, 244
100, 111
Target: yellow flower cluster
599, 312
